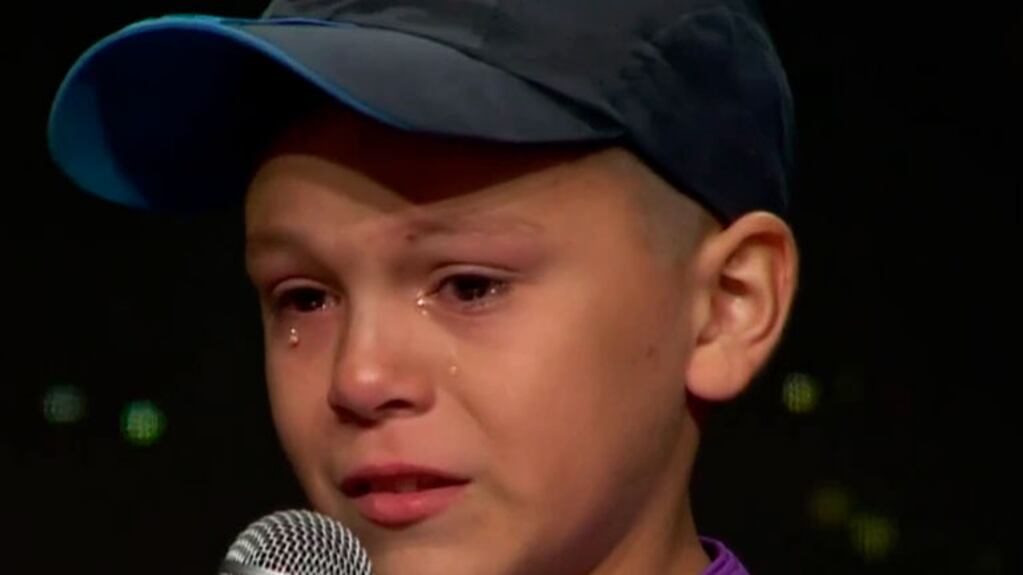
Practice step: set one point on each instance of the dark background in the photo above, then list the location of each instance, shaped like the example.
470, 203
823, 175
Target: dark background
905, 328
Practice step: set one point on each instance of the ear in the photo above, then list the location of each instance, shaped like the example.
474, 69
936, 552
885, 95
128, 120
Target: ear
745, 283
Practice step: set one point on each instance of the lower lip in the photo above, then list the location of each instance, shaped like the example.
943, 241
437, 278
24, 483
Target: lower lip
399, 509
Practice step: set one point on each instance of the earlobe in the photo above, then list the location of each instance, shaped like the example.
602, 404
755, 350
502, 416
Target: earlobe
746, 276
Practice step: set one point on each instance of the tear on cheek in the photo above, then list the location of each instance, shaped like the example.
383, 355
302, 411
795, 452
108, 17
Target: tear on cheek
298, 336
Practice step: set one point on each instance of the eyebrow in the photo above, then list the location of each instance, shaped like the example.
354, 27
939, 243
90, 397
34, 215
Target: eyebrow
412, 231
260, 245
418, 229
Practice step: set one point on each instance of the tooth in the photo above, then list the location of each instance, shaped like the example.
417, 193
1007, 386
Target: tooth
405, 485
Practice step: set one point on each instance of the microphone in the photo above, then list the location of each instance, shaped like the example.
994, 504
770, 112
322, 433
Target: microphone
296, 542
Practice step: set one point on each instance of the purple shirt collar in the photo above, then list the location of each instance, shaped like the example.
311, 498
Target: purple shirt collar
722, 561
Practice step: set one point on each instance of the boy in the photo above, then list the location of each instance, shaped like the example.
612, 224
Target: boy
503, 251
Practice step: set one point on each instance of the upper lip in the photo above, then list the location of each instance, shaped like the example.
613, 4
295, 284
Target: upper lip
360, 481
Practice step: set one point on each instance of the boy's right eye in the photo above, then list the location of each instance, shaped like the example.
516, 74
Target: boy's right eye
303, 299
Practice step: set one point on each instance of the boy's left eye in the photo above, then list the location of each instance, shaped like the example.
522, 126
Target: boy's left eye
472, 291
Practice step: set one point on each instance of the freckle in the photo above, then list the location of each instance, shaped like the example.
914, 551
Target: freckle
651, 351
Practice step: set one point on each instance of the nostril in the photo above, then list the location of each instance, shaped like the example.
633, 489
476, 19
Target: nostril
349, 417
395, 405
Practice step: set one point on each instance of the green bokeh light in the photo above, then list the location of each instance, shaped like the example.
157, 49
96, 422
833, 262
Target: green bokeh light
874, 536
63, 405
800, 393
142, 423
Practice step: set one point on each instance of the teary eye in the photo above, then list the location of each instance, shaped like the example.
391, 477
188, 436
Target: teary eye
472, 291
304, 299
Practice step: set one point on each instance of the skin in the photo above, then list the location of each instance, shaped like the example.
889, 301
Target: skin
542, 338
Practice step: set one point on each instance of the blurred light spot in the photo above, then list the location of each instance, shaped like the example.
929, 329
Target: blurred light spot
63, 404
800, 393
873, 536
142, 423
829, 506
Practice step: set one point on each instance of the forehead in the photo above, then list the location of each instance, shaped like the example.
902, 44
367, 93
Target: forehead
423, 167
337, 162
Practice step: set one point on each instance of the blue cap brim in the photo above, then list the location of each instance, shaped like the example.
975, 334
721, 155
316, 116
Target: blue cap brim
172, 113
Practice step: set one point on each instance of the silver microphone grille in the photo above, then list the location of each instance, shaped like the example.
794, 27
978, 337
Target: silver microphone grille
296, 542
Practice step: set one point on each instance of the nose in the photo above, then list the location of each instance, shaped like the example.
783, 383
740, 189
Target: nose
379, 372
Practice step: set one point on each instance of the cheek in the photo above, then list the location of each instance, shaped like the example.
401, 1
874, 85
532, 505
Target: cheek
613, 352
298, 371
297, 393
589, 384
297, 402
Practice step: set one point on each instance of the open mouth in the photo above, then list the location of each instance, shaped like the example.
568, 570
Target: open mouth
398, 496
402, 483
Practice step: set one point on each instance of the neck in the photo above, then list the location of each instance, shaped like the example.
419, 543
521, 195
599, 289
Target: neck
665, 539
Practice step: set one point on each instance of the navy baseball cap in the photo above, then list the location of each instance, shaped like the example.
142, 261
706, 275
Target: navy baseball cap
172, 113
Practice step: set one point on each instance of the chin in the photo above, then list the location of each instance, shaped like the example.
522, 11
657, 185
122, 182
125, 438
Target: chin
431, 560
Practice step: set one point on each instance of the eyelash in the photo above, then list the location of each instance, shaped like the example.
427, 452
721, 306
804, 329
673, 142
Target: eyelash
495, 289
292, 299
289, 299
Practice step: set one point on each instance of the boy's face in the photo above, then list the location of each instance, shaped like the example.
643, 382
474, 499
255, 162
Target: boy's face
475, 358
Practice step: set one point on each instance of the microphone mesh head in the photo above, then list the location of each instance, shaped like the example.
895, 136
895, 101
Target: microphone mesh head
297, 542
